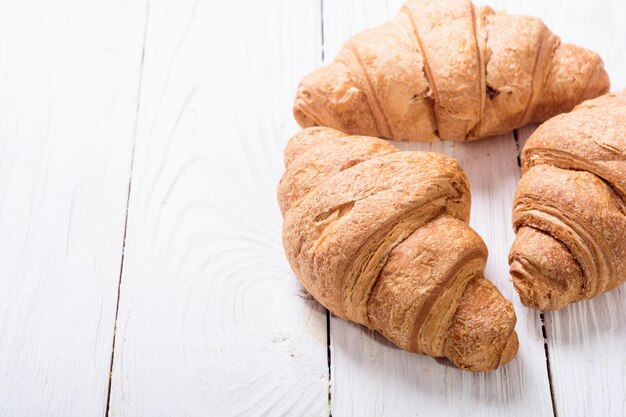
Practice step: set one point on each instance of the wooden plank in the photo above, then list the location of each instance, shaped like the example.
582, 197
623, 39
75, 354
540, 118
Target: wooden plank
585, 340
69, 76
212, 320
371, 377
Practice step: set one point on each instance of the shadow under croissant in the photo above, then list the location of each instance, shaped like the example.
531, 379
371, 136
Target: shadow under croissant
589, 322
377, 338
367, 354
356, 331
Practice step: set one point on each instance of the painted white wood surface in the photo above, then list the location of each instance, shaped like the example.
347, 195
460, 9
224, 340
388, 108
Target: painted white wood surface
69, 76
211, 320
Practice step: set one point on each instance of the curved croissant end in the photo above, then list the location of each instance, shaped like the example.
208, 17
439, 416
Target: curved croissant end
380, 237
448, 70
570, 206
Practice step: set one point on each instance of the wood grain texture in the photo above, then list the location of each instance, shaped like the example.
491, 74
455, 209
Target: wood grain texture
69, 76
211, 320
586, 339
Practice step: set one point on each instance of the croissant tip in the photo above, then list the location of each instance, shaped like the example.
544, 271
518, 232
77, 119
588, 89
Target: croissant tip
510, 350
301, 117
302, 106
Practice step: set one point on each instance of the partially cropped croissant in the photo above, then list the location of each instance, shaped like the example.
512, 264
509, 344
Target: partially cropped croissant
570, 206
450, 70
380, 237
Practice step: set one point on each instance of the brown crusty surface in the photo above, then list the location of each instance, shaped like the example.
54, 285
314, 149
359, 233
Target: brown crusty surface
449, 70
570, 206
381, 238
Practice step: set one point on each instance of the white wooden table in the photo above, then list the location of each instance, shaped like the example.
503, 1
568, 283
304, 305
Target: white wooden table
141, 266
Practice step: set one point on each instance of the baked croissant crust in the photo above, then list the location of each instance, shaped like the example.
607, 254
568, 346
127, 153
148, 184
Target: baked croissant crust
381, 238
569, 210
450, 70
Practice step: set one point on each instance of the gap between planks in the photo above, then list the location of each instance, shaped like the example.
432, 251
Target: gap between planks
130, 180
541, 316
328, 351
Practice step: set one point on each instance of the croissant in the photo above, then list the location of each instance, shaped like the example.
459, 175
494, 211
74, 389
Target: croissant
570, 206
451, 70
381, 238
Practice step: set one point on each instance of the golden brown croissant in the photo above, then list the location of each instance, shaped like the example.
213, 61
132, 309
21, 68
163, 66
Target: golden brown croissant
380, 237
569, 211
451, 70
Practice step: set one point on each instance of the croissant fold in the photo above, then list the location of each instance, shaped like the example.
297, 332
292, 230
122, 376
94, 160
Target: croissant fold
570, 206
381, 238
450, 70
